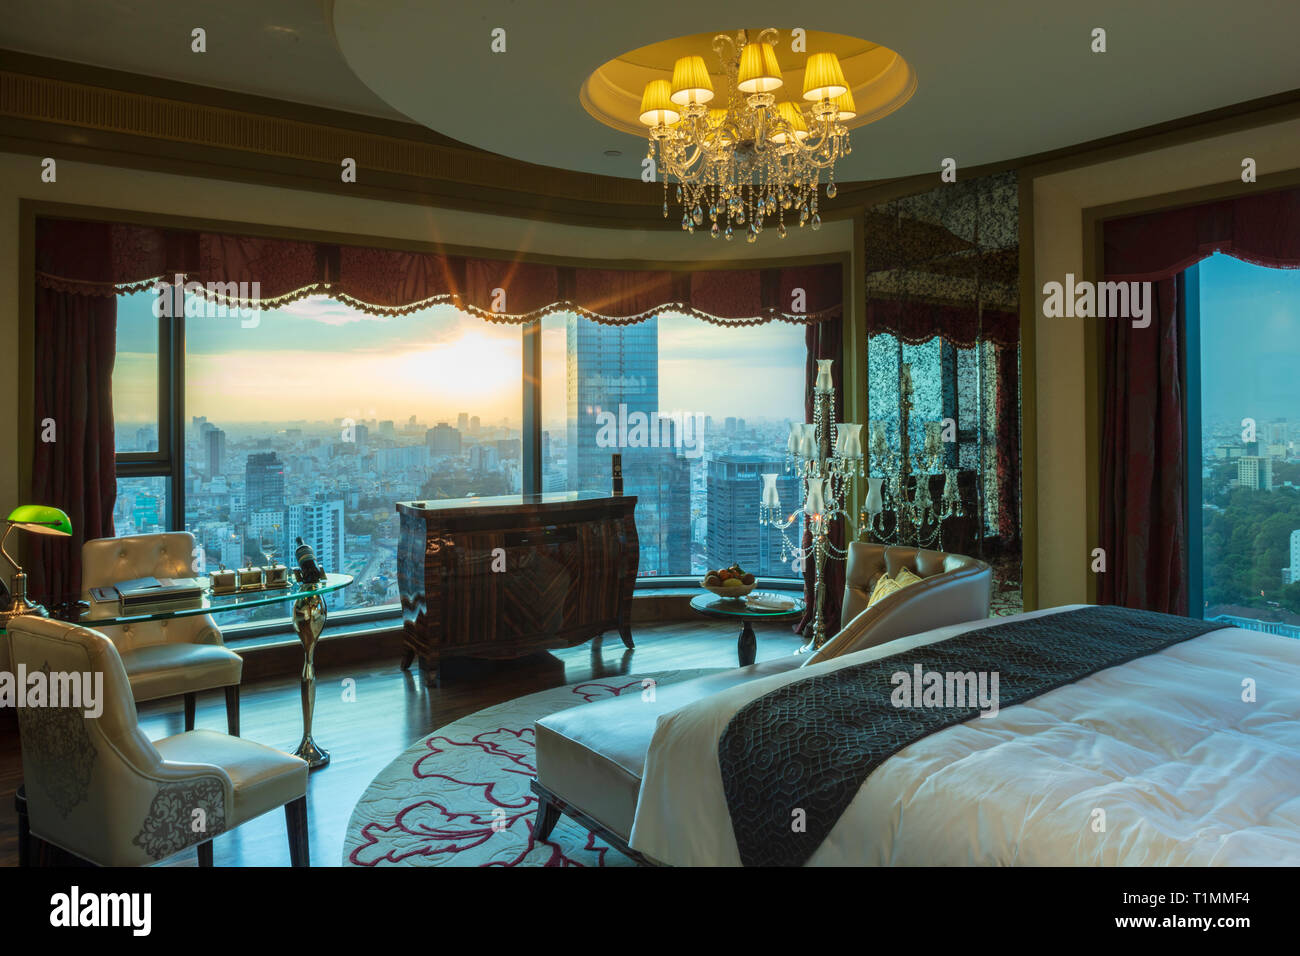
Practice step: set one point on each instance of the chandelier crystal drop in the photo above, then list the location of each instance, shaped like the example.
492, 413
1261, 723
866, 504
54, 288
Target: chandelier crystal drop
754, 158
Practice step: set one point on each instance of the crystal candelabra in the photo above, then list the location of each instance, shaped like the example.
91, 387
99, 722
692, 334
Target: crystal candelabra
826, 456
904, 486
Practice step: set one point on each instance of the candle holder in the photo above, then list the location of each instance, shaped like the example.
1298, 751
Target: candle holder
904, 485
827, 457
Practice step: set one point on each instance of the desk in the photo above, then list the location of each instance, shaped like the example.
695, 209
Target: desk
308, 621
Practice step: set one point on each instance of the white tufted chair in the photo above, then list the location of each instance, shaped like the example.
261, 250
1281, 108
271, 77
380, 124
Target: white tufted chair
179, 657
96, 787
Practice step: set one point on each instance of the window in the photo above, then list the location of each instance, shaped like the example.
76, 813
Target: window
143, 380
696, 411
1244, 341
313, 419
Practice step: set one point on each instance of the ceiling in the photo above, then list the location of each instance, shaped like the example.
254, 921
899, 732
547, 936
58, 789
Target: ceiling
282, 49
994, 80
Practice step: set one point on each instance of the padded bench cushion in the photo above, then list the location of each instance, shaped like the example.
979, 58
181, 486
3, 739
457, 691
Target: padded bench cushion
593, 755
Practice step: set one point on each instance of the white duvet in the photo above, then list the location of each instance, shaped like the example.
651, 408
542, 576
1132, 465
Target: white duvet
1159, 761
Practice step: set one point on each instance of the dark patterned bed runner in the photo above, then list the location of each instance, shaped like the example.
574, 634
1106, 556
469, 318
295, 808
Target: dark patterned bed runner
809, 746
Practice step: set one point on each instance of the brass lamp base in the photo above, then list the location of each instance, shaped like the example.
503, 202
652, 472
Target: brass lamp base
19, 605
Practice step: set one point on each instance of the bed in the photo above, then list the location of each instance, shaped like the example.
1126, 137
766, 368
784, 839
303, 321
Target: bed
1186, 756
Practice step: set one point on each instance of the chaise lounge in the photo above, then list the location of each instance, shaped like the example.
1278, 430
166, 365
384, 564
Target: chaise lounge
590, 758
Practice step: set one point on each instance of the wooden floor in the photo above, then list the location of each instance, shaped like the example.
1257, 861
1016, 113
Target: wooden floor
392, 710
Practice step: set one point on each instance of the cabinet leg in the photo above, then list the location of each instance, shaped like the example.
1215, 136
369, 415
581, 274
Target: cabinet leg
408, 655
625, 632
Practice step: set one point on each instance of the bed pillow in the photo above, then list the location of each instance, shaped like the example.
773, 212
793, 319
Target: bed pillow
887, 585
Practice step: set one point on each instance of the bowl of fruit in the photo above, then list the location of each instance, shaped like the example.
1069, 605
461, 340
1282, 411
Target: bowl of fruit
732, 582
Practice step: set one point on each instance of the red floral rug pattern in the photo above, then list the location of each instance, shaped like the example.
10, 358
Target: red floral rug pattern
460, 796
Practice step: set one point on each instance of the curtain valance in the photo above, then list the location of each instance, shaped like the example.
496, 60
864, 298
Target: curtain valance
93, 258
1259, 228
916, 321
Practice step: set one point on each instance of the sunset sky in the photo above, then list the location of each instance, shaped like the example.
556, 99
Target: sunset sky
317, 359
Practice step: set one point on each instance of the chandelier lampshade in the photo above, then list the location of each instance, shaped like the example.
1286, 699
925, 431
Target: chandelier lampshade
822, 77
759, 72
790, 113
657, 106
844, 103
691, 83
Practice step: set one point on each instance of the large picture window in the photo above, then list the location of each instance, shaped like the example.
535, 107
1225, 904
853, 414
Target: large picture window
310, 420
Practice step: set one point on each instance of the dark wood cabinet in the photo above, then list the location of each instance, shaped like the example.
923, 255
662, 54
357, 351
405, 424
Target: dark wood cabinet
510, 575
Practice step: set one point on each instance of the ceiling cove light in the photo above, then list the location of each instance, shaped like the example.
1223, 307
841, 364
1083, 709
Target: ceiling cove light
761, 150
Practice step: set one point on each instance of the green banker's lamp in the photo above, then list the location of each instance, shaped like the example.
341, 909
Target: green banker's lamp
39, 519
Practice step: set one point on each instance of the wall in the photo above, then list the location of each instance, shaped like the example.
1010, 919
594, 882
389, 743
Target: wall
1065, 537
114, 188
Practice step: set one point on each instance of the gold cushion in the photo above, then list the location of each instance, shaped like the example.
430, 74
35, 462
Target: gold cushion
905, 577
884, 587
887, 585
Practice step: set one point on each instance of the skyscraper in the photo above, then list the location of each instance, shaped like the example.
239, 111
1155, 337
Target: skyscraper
216, 449
320, 524
462, 423
735, 535
615, 369
264, 482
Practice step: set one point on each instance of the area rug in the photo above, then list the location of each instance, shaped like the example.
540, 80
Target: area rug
460, 796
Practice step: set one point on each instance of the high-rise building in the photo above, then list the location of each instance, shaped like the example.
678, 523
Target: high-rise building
442, 439
216, 449
462, 423
1295, 558
387, 430
615, 369
735, 534
474, 425
320, 524
264, 482
1255, 472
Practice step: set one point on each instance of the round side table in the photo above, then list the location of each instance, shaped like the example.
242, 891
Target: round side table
743, 610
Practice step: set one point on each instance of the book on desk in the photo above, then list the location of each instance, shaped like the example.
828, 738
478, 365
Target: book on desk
146, 595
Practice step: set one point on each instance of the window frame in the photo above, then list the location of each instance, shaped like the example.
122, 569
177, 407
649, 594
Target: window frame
169, 460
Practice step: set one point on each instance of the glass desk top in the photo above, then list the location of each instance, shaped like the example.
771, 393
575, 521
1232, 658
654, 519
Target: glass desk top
106, 614
715, 606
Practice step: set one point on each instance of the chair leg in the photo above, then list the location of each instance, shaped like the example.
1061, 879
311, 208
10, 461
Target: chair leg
295, 818
232, 710
205, 854
548, 814
190, 701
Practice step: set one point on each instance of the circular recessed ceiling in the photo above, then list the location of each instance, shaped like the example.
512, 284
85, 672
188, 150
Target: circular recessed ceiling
880, 80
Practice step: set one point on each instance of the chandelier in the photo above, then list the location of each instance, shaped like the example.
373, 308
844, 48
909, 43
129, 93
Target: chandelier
755, 158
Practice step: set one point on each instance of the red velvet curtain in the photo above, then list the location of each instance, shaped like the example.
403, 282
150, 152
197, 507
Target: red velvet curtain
76, 340
390, 281
1143, 457
1143, 461
825, 340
